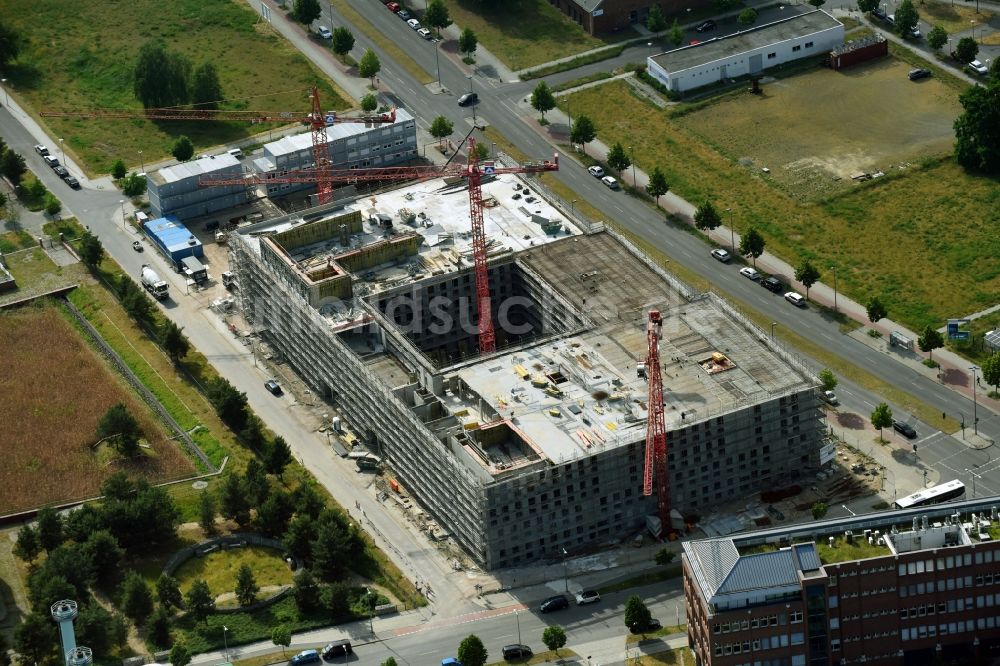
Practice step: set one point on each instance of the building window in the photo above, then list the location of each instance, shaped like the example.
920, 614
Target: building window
771, 56
796, 617
796, 48
809, 45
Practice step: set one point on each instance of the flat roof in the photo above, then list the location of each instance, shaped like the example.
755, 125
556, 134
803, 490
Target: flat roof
757, 37
172, 233
582, 393
205, 165
303, 141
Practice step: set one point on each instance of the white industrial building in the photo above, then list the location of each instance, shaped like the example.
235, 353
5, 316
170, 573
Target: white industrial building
750, 52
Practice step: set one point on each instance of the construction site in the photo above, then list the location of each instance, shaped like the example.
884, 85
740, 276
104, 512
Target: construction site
530, 445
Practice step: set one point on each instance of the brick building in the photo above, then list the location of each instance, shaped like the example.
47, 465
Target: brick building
604, 16
905, 587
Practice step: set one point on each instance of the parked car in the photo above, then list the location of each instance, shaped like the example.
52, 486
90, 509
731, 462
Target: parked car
137, 246
41, 150
610, 182
652, 625
916, 74
772, 284
450, 661
340, 648
51, 160
915, 32
414, 23
587, 597
425, 33
596, 171
904, 428
775, 512
878, 13
60, 171
403, 14
977, 67
705, 26
749, 272
393, 7
323, 32
305, 657
555, 603
516, 652
468, 99
796, 299
72, 182
273, 386
829, 397
721, 255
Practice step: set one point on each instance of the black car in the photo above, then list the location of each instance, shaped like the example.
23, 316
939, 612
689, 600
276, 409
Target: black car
879, 14
60, 171
273, 387
340, 648
772, 284
516, 651
653, 625
555, 603
904, 428
72, 182
468, 99
705, 26
916, 74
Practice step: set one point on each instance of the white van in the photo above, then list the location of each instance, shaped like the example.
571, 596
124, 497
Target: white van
236, 152
610, 182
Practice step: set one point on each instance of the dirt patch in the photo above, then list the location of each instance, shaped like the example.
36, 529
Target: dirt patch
815, 130
850, 420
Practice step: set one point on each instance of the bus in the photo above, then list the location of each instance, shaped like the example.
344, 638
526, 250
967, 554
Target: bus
939, 493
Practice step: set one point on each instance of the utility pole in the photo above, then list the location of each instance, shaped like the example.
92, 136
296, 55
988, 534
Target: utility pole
975, 411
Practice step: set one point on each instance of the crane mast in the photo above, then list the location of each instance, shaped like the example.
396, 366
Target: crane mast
656, 430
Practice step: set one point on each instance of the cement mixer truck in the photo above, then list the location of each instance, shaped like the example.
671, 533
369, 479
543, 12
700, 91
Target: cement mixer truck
153, 284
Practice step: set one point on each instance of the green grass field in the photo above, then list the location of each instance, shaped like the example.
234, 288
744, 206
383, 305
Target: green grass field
219, 569
953, 18
84, 57
882, 237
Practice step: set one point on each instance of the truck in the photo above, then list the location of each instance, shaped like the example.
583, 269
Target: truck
194, 269
152, 283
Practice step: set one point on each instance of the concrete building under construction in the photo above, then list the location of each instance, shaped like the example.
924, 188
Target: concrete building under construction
537, 447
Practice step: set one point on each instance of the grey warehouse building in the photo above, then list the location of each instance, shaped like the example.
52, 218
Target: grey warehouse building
175, 190
538, 446
351, 146
813, 34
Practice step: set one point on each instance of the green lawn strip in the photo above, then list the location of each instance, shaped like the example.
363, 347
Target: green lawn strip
529, 33
583, 80
579, 61
90, 65
391, 49
648, 578
679, 657
562, 654
659, 633
953, 18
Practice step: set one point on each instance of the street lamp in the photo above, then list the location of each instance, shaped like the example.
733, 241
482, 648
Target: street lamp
473, 102
889, 471
631, 159
371, 614
732, 232
225, 640
62, 151
142, 164
121, 202
773, 324
975, 417
835, 290
572, 208
974, 477
437, 64
517, 618
3, 83
565, 574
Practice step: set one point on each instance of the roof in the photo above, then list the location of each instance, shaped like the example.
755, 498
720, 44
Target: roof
715, 558
206, 165
171, 233
588, 5
720, 570
303, 141
696, 55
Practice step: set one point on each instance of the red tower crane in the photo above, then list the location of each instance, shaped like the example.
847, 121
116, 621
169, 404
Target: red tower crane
656, 428
316, 118
474, 170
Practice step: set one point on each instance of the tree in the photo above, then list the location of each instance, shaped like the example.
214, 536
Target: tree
93, 628
906, 18
554, 638
160, 78
991, 370
168, 591
159, 627
66, 562
134, 185
137, 600
676, 34
305, 591
706, 217
45, 588
255, 483
471, 651
50, 529
807, 274
274, 513
206, 91
183, 149
441, 128
752, 244
234, 502
930, 340
881, 417
254, 437
664, 556
52, 205
299, 536
748, 16
229, 403
967, 49
180, 655
28, 546
369, 66
173, 341
467, 42
200, 601
583, 131
542, 99
278, 457
817, 3
246, 586
391, 661
343, 41
281, 635
306, 11
10, 46
977, 130
656, 21
103, 553
13, 166
819, 510
121, 429
657, 185
828, 380
4, 654
867, 6
617, 158
139, 515
307, 500
876, 310
994, 72
636, 613
937, 37
118, 170
138, 306
35, 639
436, 16
336, 599
369, 103
330, 549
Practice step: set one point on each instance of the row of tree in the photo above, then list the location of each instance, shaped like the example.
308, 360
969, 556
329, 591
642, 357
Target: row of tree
163, 78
